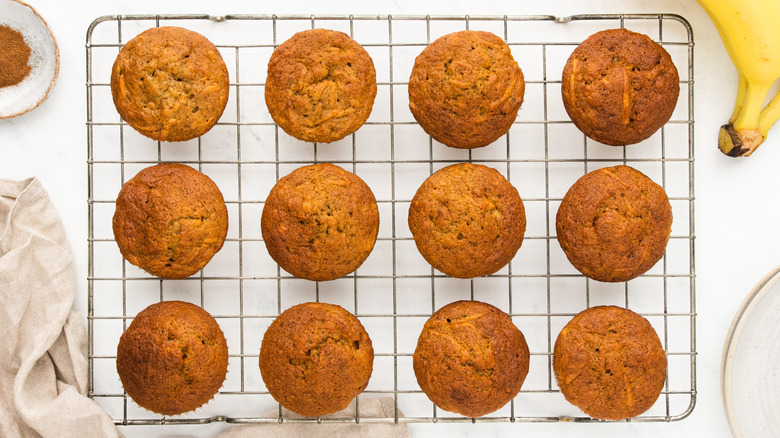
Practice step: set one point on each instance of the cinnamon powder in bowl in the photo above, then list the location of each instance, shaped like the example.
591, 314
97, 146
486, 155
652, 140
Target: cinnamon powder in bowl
29, 59
15, 57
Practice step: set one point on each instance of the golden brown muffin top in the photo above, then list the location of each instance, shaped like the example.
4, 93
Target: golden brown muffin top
619, 87
170, 84
609, 362
614, 223
466, 88
320, 222
315, 358
172, 358
321, 85
170, 220
470, 358
467, 220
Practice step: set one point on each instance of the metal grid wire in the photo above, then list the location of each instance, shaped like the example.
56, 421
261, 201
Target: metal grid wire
395, 291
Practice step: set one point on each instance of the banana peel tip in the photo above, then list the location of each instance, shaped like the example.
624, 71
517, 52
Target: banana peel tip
738, 143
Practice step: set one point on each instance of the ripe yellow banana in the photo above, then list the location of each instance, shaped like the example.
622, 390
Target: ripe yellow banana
750, 30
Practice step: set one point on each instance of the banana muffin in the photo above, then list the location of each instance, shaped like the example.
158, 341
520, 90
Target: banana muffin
321, 85
609, 362
320, 222
172, 358
466, 88
315, 358
614, 223
467, 220
619, 87
170, 220
470, 358
170, 84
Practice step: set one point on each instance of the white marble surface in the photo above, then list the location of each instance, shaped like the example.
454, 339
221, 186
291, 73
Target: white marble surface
736, 213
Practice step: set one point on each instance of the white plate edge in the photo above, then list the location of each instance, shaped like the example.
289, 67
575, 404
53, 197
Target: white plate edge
731, 340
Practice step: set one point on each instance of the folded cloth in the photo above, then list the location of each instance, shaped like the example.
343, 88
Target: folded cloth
43, 361
369, 408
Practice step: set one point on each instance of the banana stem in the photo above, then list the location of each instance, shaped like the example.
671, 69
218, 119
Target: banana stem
755, 95
769, 115
740, 100
742, 137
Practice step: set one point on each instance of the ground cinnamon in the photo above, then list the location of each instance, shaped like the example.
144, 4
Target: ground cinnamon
14, 57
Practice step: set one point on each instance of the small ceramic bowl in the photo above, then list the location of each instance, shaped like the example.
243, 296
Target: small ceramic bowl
44, 59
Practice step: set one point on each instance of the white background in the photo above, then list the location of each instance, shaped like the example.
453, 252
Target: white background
736, 210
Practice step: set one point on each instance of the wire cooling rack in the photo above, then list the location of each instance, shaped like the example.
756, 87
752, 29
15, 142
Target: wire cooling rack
395, 290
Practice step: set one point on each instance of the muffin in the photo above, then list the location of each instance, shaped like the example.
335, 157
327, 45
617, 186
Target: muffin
470, 358
170, 84
614, 223
619, 87
467, 220
315, 358
321, 85
609, 362
172, 358
170, 220
320, 222
466, 88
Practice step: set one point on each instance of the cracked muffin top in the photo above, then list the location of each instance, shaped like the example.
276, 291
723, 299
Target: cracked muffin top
614, 223
321, 85
172, 358
619, 87
470, 358
170, 84
466, 88
467, 220
320, 222
170, 220
315, 358
610, 363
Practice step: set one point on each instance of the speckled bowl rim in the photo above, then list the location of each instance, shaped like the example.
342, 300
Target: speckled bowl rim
56, 65
753, 299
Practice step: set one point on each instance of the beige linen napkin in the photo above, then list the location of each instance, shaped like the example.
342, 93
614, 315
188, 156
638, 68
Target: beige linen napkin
369, 408
43, 363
